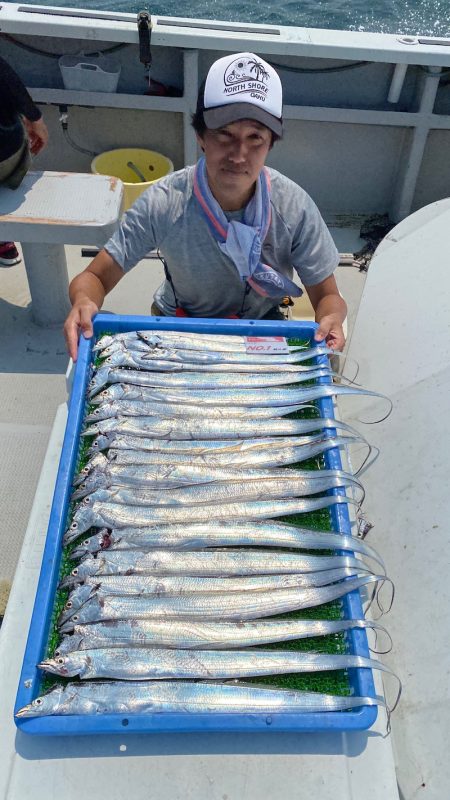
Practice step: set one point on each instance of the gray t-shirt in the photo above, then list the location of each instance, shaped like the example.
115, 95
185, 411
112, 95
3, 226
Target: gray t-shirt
168, 216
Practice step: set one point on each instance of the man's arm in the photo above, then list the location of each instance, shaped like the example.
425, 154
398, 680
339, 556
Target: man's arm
87, 292
330, 309
12, 88
16, 100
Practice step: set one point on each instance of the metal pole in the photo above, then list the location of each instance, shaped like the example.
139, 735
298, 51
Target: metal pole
397, 82
413, 154
190, 63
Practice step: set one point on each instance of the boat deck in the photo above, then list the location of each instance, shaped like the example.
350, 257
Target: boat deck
397, 338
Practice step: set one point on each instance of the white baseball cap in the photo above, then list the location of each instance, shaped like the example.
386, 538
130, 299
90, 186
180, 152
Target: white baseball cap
242, 86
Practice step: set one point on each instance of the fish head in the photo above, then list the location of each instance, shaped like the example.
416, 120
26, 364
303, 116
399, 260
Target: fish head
101, 427
97, 462
96, 480
67, 626
152, 339
88, 567
67, 666
68, 644
83, 490
101, 442
105, 396
114, 360
83, 519
77, 598
88, 612
83, 473
99, 380
68, 582
104, 341
44, 705
100, 412
71, 580
100, 541
100, 494
110, 349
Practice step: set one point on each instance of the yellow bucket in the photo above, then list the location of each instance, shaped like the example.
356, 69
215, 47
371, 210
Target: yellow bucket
132, 165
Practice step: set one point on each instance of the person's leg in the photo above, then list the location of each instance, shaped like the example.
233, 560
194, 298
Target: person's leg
12, 172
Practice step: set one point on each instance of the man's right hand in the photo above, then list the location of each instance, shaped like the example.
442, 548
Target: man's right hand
79, 321
87, 292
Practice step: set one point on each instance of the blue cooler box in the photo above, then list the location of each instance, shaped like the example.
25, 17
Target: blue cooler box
361, 680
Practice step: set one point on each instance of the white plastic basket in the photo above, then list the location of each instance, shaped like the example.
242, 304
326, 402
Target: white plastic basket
92, 73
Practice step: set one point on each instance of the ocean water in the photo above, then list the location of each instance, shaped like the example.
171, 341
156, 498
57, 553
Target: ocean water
426, 17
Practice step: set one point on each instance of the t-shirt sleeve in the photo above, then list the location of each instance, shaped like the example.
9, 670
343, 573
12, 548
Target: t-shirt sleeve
14, 93
314, 254
141, 229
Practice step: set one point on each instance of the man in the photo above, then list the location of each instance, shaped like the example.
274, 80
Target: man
22, 131
230, 231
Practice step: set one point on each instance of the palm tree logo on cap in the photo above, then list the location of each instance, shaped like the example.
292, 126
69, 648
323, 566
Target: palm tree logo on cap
245, 69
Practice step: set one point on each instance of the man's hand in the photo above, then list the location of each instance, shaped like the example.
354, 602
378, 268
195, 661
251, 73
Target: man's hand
330, 330
87, 292
79, 321
330, 311
37, 135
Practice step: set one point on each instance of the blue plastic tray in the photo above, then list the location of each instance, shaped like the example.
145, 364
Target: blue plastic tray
361, 680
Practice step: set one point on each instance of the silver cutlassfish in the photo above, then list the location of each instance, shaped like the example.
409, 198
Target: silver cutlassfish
162, 664
115, 515
182, 429
142, 697
203, 634
233, 605
203, 380
223, 534
173, 476
212, 563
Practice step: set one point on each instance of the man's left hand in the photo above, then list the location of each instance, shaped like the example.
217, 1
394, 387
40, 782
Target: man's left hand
330, 311
331, 332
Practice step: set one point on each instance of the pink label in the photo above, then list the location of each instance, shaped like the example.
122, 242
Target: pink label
265, 345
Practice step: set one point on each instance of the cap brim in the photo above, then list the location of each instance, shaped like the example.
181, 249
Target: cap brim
232, 112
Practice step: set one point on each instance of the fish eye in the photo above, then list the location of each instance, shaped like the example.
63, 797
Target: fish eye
60, 661
69, 604
38, 701
74, 526
75, 571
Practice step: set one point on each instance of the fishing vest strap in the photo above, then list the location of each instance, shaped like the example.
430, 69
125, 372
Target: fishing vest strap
179, 311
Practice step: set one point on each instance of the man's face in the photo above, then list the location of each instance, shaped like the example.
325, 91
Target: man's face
235, 156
